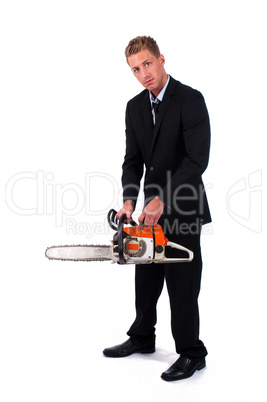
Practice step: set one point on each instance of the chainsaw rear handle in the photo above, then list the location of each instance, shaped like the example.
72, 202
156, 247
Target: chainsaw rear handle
179, 259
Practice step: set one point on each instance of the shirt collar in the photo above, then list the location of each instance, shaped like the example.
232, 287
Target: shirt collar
160, 95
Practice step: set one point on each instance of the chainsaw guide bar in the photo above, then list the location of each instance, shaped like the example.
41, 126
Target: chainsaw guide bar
79, 253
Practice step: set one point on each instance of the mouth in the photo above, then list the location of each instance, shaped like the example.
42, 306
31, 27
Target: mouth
148, 82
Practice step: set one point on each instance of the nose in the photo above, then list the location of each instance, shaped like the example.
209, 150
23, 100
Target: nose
144, 74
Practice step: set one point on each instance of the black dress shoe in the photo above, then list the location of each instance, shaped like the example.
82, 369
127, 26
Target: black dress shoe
184, 367
126, 349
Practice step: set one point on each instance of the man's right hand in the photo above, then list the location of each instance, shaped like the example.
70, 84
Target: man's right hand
127, 209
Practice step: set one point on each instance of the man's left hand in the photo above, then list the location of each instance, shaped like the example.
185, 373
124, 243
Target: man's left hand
152, 212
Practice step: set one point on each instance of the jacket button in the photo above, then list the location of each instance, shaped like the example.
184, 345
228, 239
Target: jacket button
151, 168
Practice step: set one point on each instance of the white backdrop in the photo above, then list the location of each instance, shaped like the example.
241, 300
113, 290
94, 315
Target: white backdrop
64, 88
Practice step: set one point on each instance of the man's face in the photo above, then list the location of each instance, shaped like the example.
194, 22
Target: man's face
149, 70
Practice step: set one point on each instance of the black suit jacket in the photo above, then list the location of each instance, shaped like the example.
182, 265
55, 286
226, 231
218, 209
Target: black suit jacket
174, 152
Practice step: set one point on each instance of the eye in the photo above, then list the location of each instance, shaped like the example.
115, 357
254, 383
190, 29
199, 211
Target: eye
148, 63
136, 70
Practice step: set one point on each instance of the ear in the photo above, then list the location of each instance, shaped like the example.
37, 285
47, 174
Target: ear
161, 59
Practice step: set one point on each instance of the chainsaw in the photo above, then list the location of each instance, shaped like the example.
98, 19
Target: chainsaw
134, 244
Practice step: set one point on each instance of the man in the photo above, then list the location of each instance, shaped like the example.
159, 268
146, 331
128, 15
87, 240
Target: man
168, 132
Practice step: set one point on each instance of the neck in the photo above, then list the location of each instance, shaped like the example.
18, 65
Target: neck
155, 94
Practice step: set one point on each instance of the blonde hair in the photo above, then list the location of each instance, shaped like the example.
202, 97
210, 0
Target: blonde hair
141, 43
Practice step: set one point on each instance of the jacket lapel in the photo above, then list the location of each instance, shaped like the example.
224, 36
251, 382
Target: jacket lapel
146, 108
162, 110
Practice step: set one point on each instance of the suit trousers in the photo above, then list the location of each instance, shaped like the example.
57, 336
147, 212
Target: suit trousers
183, 284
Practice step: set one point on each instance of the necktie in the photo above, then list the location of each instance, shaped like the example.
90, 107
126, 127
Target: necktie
156, 109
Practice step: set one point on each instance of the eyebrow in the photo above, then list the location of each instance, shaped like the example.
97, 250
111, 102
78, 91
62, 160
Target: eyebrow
144, 62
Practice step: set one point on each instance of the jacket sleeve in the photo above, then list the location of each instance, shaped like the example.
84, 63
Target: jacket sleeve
133, 165
196, 138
